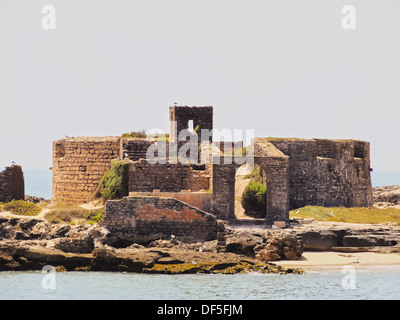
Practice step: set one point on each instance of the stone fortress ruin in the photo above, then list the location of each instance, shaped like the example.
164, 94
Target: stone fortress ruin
187, 198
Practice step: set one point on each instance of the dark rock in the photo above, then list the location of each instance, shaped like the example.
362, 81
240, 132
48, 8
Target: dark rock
27, 224
62, 232
322, 240
365, 241
169, 260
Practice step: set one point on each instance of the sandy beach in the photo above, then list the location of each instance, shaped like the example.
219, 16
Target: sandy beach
332, 260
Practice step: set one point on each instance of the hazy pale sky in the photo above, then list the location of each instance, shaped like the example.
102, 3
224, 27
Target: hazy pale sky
284, 68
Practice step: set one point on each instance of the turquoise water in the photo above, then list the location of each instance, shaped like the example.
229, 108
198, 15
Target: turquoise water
38, 182
380, 283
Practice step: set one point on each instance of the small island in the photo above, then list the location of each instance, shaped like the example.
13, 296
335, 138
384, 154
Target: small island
136, 203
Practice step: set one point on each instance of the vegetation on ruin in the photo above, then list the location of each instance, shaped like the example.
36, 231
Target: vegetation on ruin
255, 175
141, 134
253, 199
115, 183
350, 215
21, 207
72, 213
237, 152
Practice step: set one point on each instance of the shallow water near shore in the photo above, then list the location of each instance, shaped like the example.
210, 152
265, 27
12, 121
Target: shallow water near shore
369, 283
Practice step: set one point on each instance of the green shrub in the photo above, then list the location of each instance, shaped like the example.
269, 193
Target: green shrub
115, 183
253, 199
1, 206
22, 207
96, 216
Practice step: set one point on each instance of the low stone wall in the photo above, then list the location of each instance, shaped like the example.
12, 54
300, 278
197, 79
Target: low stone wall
200, 200
143, 219
12, 184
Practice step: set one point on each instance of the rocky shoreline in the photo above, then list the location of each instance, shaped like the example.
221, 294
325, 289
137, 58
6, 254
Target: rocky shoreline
30, 244
350, 237
387, 197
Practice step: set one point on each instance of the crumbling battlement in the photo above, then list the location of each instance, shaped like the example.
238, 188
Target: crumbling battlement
181, 116
12, 185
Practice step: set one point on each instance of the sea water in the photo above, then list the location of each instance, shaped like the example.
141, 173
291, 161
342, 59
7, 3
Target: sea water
371, 283
38, 182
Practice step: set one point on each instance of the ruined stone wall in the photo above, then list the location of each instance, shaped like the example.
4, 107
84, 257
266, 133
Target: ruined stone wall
328, 172
173, 180
78, 166
276, 178
134, 149
179, 117
223, 201
200, 200
142, 219
12, 184
170, 177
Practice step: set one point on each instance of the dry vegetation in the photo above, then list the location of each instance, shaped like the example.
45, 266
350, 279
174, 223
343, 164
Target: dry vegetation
71, 213
21, 207
350, 215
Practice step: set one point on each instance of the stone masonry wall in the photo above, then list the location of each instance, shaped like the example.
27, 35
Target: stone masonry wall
12, 184
134, 149
276, 178
179, 117
146, 177
142, 219
78, 166
328, 172
175, 178
200, 200
223, 201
